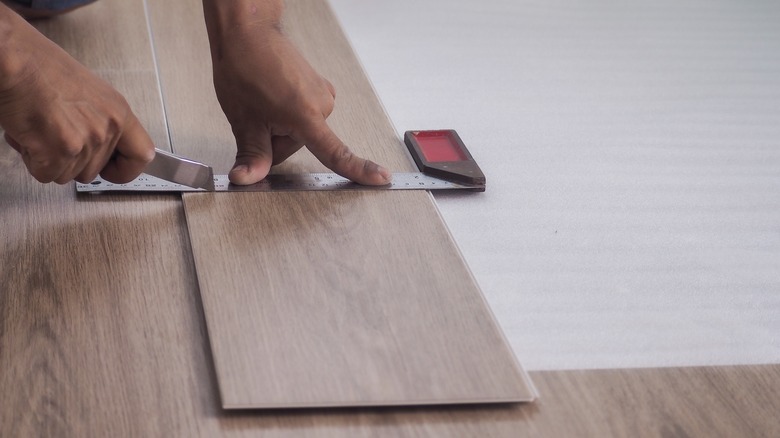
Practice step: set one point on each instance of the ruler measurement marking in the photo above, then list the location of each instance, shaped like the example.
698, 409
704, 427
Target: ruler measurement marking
275, 183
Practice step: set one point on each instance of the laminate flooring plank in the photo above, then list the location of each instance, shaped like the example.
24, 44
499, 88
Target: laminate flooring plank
661, 402
326, 299
98, 307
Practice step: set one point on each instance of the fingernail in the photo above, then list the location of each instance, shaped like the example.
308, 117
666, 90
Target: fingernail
242, 168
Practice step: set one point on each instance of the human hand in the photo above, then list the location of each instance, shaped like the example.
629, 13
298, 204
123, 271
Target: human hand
276, 103
64, 121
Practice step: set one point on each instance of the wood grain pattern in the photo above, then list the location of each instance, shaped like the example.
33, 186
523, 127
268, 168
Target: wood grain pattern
92, 288
102, 334
326, 299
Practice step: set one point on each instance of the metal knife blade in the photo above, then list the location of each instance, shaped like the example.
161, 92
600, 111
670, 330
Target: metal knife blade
180, 170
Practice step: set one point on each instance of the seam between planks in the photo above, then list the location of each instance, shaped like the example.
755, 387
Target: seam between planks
160, 93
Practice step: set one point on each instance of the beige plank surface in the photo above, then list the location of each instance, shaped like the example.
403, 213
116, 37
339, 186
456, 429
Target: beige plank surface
326, 299
667, 402
97, 315
102, 333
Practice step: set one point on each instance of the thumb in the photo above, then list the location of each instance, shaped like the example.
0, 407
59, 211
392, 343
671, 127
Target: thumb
253, 159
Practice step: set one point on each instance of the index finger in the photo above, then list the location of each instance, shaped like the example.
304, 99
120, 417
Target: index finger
333, 153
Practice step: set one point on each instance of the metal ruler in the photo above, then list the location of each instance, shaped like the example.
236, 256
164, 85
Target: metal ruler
278, 183
441, 156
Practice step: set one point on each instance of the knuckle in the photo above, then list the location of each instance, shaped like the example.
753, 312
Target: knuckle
327, 110
44, 179
62, 180
330, 87
119, 178
251, 150
314, 106
328, 105
86, 177
122, 118
147, 153
42, 175
342, 156
40, 163
71, 145
311, 111
120, 101
110, 132
72, 150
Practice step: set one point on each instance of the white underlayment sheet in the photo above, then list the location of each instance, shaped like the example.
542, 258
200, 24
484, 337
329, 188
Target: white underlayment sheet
632, 150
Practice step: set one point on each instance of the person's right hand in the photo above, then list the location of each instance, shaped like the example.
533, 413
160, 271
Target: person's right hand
66, 123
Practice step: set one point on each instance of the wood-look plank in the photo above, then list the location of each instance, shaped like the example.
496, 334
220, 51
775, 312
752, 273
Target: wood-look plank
93, 290
665, 402
326, 299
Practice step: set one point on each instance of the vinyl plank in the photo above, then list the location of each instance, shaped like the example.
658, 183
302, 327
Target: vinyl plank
93, 290
107, 36
326, 299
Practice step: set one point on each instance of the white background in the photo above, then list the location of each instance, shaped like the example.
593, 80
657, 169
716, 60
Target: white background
632, 150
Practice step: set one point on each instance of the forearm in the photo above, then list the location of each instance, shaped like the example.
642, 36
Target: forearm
224, 17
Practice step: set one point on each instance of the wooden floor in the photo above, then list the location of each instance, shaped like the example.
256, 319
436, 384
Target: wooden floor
102, 332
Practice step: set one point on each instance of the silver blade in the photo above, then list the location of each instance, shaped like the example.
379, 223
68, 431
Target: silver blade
181, 170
